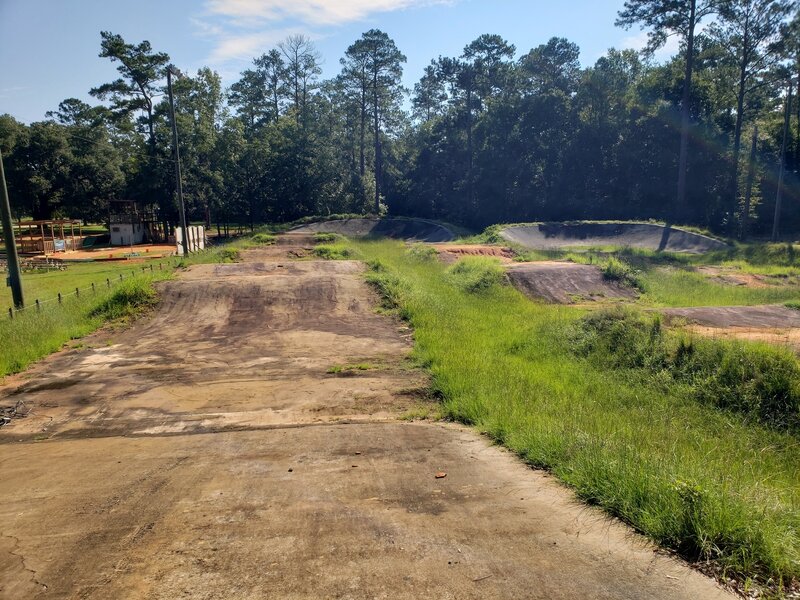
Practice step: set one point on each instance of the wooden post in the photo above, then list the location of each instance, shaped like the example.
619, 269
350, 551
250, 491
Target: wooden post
59, 297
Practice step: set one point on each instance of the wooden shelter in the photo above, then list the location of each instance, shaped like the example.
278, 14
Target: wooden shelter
49, 236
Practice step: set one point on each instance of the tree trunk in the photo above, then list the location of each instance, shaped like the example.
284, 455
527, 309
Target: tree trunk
378, 157
680, 205
748, 194
737, 137
470, 152
776, 223
362, 162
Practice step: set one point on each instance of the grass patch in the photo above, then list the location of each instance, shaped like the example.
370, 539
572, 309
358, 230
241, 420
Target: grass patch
759, 381
476, 274
128, 299
793, 304
715, 485
422, 252
322, 237
263, 239
350, 369
332, 251
621, 272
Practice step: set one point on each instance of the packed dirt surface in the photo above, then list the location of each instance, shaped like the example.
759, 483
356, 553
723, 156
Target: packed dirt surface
209, 452
417, 230
772, 316
450, 253
548, 236
565, 282
774, 324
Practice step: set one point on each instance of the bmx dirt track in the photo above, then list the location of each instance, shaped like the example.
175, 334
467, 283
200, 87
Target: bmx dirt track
207, 452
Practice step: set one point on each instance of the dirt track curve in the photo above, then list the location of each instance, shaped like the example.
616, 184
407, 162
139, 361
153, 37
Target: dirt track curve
207, 452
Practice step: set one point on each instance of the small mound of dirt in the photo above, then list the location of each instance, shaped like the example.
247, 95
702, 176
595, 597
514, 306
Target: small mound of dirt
450, 253
417, 230
542, 236
565, 283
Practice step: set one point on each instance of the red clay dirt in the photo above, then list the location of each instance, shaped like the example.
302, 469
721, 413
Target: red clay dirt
207, 452
450, 253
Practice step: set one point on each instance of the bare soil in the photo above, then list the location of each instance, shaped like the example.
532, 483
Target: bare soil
206, 452
419, 230
450, 253
566, 283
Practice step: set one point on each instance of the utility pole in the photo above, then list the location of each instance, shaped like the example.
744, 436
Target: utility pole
779, 196
178, 180
14, 277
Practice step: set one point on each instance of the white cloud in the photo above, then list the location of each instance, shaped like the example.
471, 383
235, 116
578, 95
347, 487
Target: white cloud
315, 12
639, 41
242, 29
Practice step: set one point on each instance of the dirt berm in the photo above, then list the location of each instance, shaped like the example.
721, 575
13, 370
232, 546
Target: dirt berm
402, 229
546, 236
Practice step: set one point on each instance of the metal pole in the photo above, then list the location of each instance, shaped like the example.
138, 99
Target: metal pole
14, 277
178, 183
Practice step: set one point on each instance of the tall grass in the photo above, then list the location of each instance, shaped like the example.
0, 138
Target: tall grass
33, 334
703, 481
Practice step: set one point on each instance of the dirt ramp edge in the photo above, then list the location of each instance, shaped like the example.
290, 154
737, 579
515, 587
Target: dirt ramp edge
419, 230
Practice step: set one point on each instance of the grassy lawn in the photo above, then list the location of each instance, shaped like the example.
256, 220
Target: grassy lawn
709, 483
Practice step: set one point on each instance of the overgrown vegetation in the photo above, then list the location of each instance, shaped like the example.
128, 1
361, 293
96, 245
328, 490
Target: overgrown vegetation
476, 274
332, 251
325, 238
128, 299
618, 270
263, 239
659, 450
760, 381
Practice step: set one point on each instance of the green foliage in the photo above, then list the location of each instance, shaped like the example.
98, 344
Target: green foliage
128, 299
793, 304
710, 483
325, 238
228, 255
759, 381
263, 239
422, 252
332, 251
477, 274
618, 270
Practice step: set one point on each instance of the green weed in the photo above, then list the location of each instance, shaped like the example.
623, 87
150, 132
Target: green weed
332, 251
476, 274
712, 484
324, 238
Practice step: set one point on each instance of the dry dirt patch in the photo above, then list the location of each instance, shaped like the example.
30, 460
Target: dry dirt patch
450, 253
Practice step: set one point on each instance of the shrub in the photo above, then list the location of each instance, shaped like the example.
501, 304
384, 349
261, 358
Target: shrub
621, 272
323, 237
756, 380
228, 255
332, 251
476, 274
422, 252
263, 239
131, 297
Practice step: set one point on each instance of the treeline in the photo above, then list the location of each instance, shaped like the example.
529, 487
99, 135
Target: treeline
492, 135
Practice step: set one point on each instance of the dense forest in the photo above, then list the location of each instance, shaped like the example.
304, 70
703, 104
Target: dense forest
497, 134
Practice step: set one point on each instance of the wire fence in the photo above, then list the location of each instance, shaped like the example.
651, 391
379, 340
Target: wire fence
92, 290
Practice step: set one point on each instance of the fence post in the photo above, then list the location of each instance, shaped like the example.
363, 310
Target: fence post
151, 268
120, 276
77, 292
160, 267
38, 306
10, 313
93, 290
108, 282
59, 297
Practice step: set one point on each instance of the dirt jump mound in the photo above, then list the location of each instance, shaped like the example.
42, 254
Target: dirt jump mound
545, 236
402, 229
565, 283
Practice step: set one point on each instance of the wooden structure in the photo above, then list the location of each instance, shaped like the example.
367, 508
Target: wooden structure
49, 236
131, 222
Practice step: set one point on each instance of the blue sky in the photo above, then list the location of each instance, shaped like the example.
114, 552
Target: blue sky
48, 48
